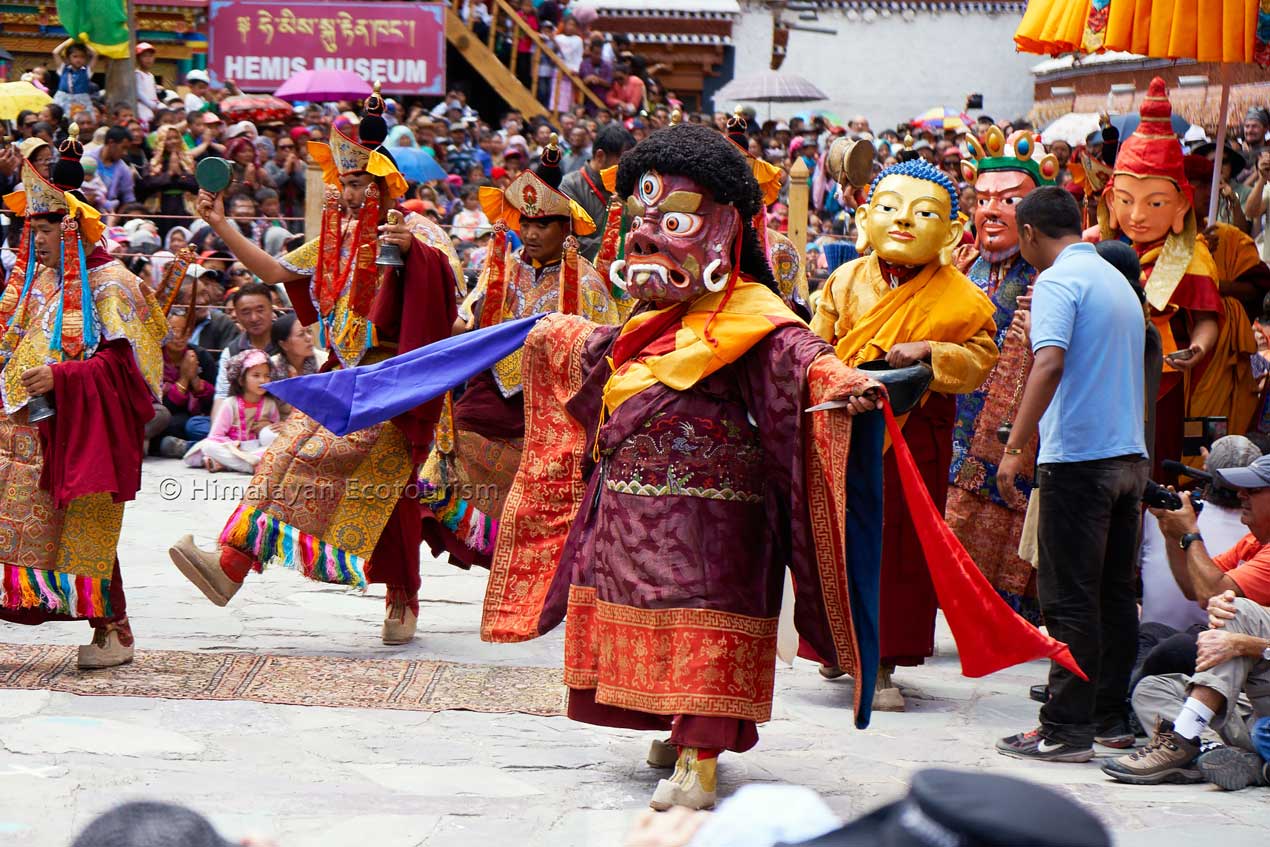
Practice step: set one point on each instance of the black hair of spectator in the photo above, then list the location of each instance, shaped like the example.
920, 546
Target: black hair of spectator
613, 139
56, 113
252, 289
706, 156
148, 824
41, 126
1265, 309
117, 133
1051, 211
621, 38
1123, 258
1261, 439
22, 116
282, 326
622, 68
76, 48
264, 194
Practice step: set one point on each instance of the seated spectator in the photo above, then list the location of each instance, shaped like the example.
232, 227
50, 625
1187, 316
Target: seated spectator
296, 355
471, 217
189, 381
113, 170
253, 311
1164, 598
1233, 657
596, 71
242, 427
626, 96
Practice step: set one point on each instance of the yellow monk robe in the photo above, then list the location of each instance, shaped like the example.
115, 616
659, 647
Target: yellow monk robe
1226, 388
863, 317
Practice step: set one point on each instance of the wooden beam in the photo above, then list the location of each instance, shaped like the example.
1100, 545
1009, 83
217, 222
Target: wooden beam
799, 192
484, 62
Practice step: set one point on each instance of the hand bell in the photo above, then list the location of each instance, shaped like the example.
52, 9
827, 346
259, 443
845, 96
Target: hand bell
38, 409
390, 254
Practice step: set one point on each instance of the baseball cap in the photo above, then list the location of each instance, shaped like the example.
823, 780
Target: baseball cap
197, 76
1231, 451
144, 46
211, 118
1256, 475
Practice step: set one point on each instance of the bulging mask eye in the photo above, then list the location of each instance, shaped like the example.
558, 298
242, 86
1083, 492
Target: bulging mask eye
649, 188
681, 224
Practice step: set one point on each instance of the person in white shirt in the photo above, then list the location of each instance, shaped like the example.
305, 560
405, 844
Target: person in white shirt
147, 91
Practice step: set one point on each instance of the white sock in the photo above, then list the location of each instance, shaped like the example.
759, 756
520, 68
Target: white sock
1193, 719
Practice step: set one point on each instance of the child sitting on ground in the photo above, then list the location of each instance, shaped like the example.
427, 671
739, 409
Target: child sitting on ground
243, 426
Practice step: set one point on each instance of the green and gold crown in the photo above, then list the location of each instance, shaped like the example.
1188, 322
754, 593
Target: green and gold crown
994, 152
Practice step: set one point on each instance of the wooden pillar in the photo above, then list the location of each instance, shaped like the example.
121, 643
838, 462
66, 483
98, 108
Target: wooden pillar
121, 74
799, 195
314, 192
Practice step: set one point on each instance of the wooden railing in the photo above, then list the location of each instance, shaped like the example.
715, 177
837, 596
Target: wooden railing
504, 20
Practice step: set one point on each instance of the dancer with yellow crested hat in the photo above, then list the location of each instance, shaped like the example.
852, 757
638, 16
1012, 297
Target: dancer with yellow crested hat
342, 509
479, 438
80, 367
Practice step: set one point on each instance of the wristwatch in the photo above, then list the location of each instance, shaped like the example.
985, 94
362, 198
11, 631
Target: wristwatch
1265, 655
1188, 538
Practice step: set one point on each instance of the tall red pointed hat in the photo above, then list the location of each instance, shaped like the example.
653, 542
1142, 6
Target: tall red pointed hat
1153, 149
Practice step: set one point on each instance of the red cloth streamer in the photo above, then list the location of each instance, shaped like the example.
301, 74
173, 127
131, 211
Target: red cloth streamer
989, 635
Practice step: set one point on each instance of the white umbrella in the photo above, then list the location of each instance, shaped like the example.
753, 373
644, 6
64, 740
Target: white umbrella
771, 87
1073, 128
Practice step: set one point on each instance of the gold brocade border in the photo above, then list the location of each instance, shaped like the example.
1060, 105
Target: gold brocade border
548, 487
671, 661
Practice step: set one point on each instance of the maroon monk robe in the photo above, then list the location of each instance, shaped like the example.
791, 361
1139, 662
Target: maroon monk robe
413, 307
93, 446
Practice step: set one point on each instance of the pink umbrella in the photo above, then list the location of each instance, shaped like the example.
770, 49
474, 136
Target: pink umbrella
322, 85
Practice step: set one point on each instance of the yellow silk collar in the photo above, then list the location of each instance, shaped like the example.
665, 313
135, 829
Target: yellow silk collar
750, 313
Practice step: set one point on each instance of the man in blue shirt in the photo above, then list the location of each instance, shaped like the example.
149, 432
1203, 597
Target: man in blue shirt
1086, 392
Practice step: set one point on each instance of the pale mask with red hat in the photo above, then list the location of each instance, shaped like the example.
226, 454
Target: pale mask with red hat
1149, 196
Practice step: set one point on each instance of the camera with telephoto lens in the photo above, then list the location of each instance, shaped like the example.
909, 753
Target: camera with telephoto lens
1157, 496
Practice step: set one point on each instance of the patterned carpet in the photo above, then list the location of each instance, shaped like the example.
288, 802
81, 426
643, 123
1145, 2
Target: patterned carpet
421, 686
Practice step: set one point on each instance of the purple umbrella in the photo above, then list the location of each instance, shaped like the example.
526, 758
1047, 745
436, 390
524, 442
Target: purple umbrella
324, 85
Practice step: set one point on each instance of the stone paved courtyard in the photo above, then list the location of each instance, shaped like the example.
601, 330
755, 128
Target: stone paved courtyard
325, 777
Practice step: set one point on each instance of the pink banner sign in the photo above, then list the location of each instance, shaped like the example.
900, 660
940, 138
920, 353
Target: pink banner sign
260, 45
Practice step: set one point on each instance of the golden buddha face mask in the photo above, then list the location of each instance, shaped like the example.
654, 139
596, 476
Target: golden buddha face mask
911, 217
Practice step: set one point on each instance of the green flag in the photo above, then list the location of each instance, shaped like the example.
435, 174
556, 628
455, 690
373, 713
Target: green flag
101, 24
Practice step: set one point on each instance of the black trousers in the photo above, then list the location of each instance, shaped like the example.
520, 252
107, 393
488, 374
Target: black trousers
1090, 520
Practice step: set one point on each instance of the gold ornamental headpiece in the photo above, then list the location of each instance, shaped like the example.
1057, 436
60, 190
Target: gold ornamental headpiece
344, 155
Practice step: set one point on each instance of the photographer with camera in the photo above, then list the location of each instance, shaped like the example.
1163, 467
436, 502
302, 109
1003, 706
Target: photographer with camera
1233, 657
1165, 599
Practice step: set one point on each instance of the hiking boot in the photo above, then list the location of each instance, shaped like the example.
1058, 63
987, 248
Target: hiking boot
112, 646
1032, 745
886, 694
1115, 733
662, 754
1167, 757
171, 447
400, 620
203, 569
1232, 768
693, 785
